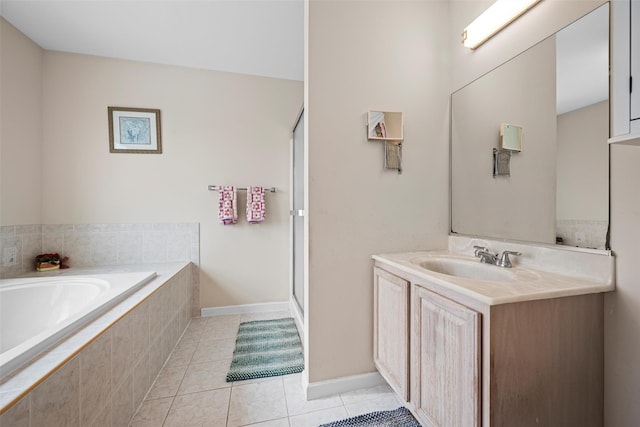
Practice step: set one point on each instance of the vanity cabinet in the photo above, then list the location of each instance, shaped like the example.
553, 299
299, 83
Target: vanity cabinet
625, 72
445, 355
391, 330
467, 363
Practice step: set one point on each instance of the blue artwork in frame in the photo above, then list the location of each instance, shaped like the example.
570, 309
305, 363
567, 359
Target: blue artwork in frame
134, 130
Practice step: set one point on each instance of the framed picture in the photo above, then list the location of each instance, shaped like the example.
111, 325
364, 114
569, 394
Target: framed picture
134, 130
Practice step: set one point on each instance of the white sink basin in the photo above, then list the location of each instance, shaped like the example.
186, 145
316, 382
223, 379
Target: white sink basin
466, 269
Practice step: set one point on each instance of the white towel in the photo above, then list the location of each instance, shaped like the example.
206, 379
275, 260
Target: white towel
255, 205
227, 206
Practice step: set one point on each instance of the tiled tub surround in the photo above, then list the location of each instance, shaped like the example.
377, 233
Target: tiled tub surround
99, 375
90, 245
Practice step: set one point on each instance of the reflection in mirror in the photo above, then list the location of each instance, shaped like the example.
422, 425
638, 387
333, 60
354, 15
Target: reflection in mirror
385, 125
557, 190
510, 137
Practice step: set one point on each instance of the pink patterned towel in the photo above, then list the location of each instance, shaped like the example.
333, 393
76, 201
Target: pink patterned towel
255, 205
227, 206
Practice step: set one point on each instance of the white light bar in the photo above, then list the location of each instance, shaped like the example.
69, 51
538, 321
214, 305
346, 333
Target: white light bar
493, 20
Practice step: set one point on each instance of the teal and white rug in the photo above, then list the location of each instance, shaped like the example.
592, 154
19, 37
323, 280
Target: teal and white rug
400, 417
266, 348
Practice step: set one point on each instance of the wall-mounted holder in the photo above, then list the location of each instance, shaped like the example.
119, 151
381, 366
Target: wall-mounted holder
510, 142
510, 137
501, 162
387, 126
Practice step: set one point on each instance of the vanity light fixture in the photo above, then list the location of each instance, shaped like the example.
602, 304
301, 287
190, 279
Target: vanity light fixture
498, 16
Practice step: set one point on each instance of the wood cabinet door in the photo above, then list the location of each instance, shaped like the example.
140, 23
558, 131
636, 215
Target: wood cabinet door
391, 330
445, 361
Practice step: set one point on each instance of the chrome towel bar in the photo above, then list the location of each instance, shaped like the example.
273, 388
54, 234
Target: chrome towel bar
269, 189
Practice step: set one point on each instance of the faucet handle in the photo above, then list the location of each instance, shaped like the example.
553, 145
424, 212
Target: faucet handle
504, 259
479, 249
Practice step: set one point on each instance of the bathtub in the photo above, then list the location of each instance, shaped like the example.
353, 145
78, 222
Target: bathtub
36, 312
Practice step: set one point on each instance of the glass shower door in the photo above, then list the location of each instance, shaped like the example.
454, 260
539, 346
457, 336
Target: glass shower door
297, 212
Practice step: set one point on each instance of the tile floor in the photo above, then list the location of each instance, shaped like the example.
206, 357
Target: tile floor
191, 389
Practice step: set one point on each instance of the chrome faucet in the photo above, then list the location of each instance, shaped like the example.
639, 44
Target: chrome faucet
485, 256
504, 259
489, 257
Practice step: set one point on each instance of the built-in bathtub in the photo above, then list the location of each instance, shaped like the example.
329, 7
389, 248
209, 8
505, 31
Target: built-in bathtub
36, 312
99, 373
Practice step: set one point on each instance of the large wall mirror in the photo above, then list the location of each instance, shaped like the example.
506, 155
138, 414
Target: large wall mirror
557, 191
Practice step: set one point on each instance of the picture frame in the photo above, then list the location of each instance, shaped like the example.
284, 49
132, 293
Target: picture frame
134, 130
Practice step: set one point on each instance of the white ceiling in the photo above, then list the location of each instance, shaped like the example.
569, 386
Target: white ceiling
582, 62
258, 37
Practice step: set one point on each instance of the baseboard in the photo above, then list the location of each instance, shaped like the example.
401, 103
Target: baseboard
244, 309
295, 313
320, 389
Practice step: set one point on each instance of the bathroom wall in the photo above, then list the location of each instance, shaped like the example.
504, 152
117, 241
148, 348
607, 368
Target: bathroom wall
622, 307
20, 127
217, 128
582, 191
384, 55
582, 171
543, 20
503, 206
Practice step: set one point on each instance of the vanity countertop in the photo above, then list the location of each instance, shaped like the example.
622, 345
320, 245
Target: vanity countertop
526, 283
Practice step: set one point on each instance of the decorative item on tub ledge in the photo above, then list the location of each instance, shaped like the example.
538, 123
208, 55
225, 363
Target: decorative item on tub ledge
134, 130
47, 262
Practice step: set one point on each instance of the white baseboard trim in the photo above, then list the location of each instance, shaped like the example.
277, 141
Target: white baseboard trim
320, 389
295, 313
244, 309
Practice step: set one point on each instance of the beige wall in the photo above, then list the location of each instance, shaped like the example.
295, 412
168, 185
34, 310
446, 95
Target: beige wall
540, 22
521, 206
20, 127
622, 308
217, 128
583, 169
385, 55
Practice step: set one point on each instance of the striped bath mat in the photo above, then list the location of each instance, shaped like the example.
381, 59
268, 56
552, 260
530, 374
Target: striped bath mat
266, 348
400, 417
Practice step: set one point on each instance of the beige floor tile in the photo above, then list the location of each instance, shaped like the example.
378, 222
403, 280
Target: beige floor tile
192, 334
296, 402
366, 394
212, 350
314, 419
167, 383
257, 402
152, 413
386, 403
205, 376
282, 422
181, 356
219, 327
256, 380
227, 320
199, 409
